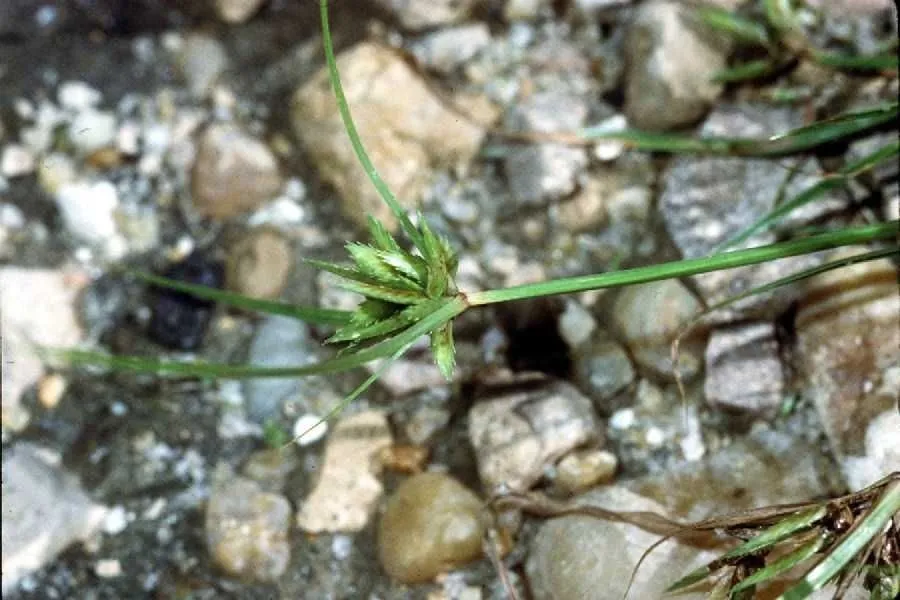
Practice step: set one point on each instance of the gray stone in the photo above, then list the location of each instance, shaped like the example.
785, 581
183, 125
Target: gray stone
247, 528
45, 510
706, 201
848, 337
285, 342
202, 59
764, 468
649, 316
603, 370
234, 172
744, 373
669, 68
519, 433
423, 14
406, 135
447, 49
539, 173
584, 558
882, 452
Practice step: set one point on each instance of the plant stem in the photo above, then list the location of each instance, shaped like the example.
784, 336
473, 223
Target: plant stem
683, 268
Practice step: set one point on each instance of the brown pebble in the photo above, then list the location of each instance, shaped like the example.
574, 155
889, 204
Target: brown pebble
259, 264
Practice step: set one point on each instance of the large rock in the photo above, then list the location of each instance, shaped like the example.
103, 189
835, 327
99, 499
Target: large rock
523, 429
669, 68
406, 129
848, 350
431, 524
45, 510
348, 487
708, 200
580, 558
234, 172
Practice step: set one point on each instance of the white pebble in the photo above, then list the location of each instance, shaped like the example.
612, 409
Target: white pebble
655, 437
88, 209
16, 161
607, 150
622, 419
77, 96
110, 567
91, 130
116, 520
309, 429
11, 217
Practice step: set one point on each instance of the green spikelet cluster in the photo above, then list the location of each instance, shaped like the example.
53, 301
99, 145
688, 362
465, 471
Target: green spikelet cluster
400, 288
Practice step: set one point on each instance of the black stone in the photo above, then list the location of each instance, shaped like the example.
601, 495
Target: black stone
180, 319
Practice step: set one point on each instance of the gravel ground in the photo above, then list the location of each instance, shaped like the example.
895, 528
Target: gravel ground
202, 142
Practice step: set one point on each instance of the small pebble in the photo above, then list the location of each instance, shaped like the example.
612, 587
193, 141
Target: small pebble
258, 265
51, 389
430, 525
116, 520
585, 468
110, 567
77, 96
16, 161
309, 429
87, 209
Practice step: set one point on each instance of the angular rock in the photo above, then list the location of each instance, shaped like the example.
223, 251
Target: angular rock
744, 373
848, 336
406, 135
36, 306
348, 488
259, 264
524, 428
649, 316
447, 49
764, 468
234, 172
424, 14
247, 528
603, 370
88, 210
237, 11
45, 510
578, 557
430, 525
542, 172
706, 201
669, 68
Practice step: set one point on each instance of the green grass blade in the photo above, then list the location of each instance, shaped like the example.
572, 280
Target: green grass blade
823, 186
370, 261
690, 579
382, 237
753, 69
443, 350
310, 314
878, 63
344, 108
743, 30
695, 266
842, 127
860, 536
777, 533
783, 564
67, 357
381, 292
780, 14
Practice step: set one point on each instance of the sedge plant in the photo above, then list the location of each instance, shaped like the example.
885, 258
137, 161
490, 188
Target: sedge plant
409, 291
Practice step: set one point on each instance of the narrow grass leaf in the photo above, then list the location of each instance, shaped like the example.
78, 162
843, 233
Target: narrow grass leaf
843, 127
777, 533
879, 63
410, 266
344, 109
814, 192
780, 14
743, 30
684, 268
690, 579
310, 314
860, 535
62, 357
370, 311
342, 271
443, 350
783, 564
